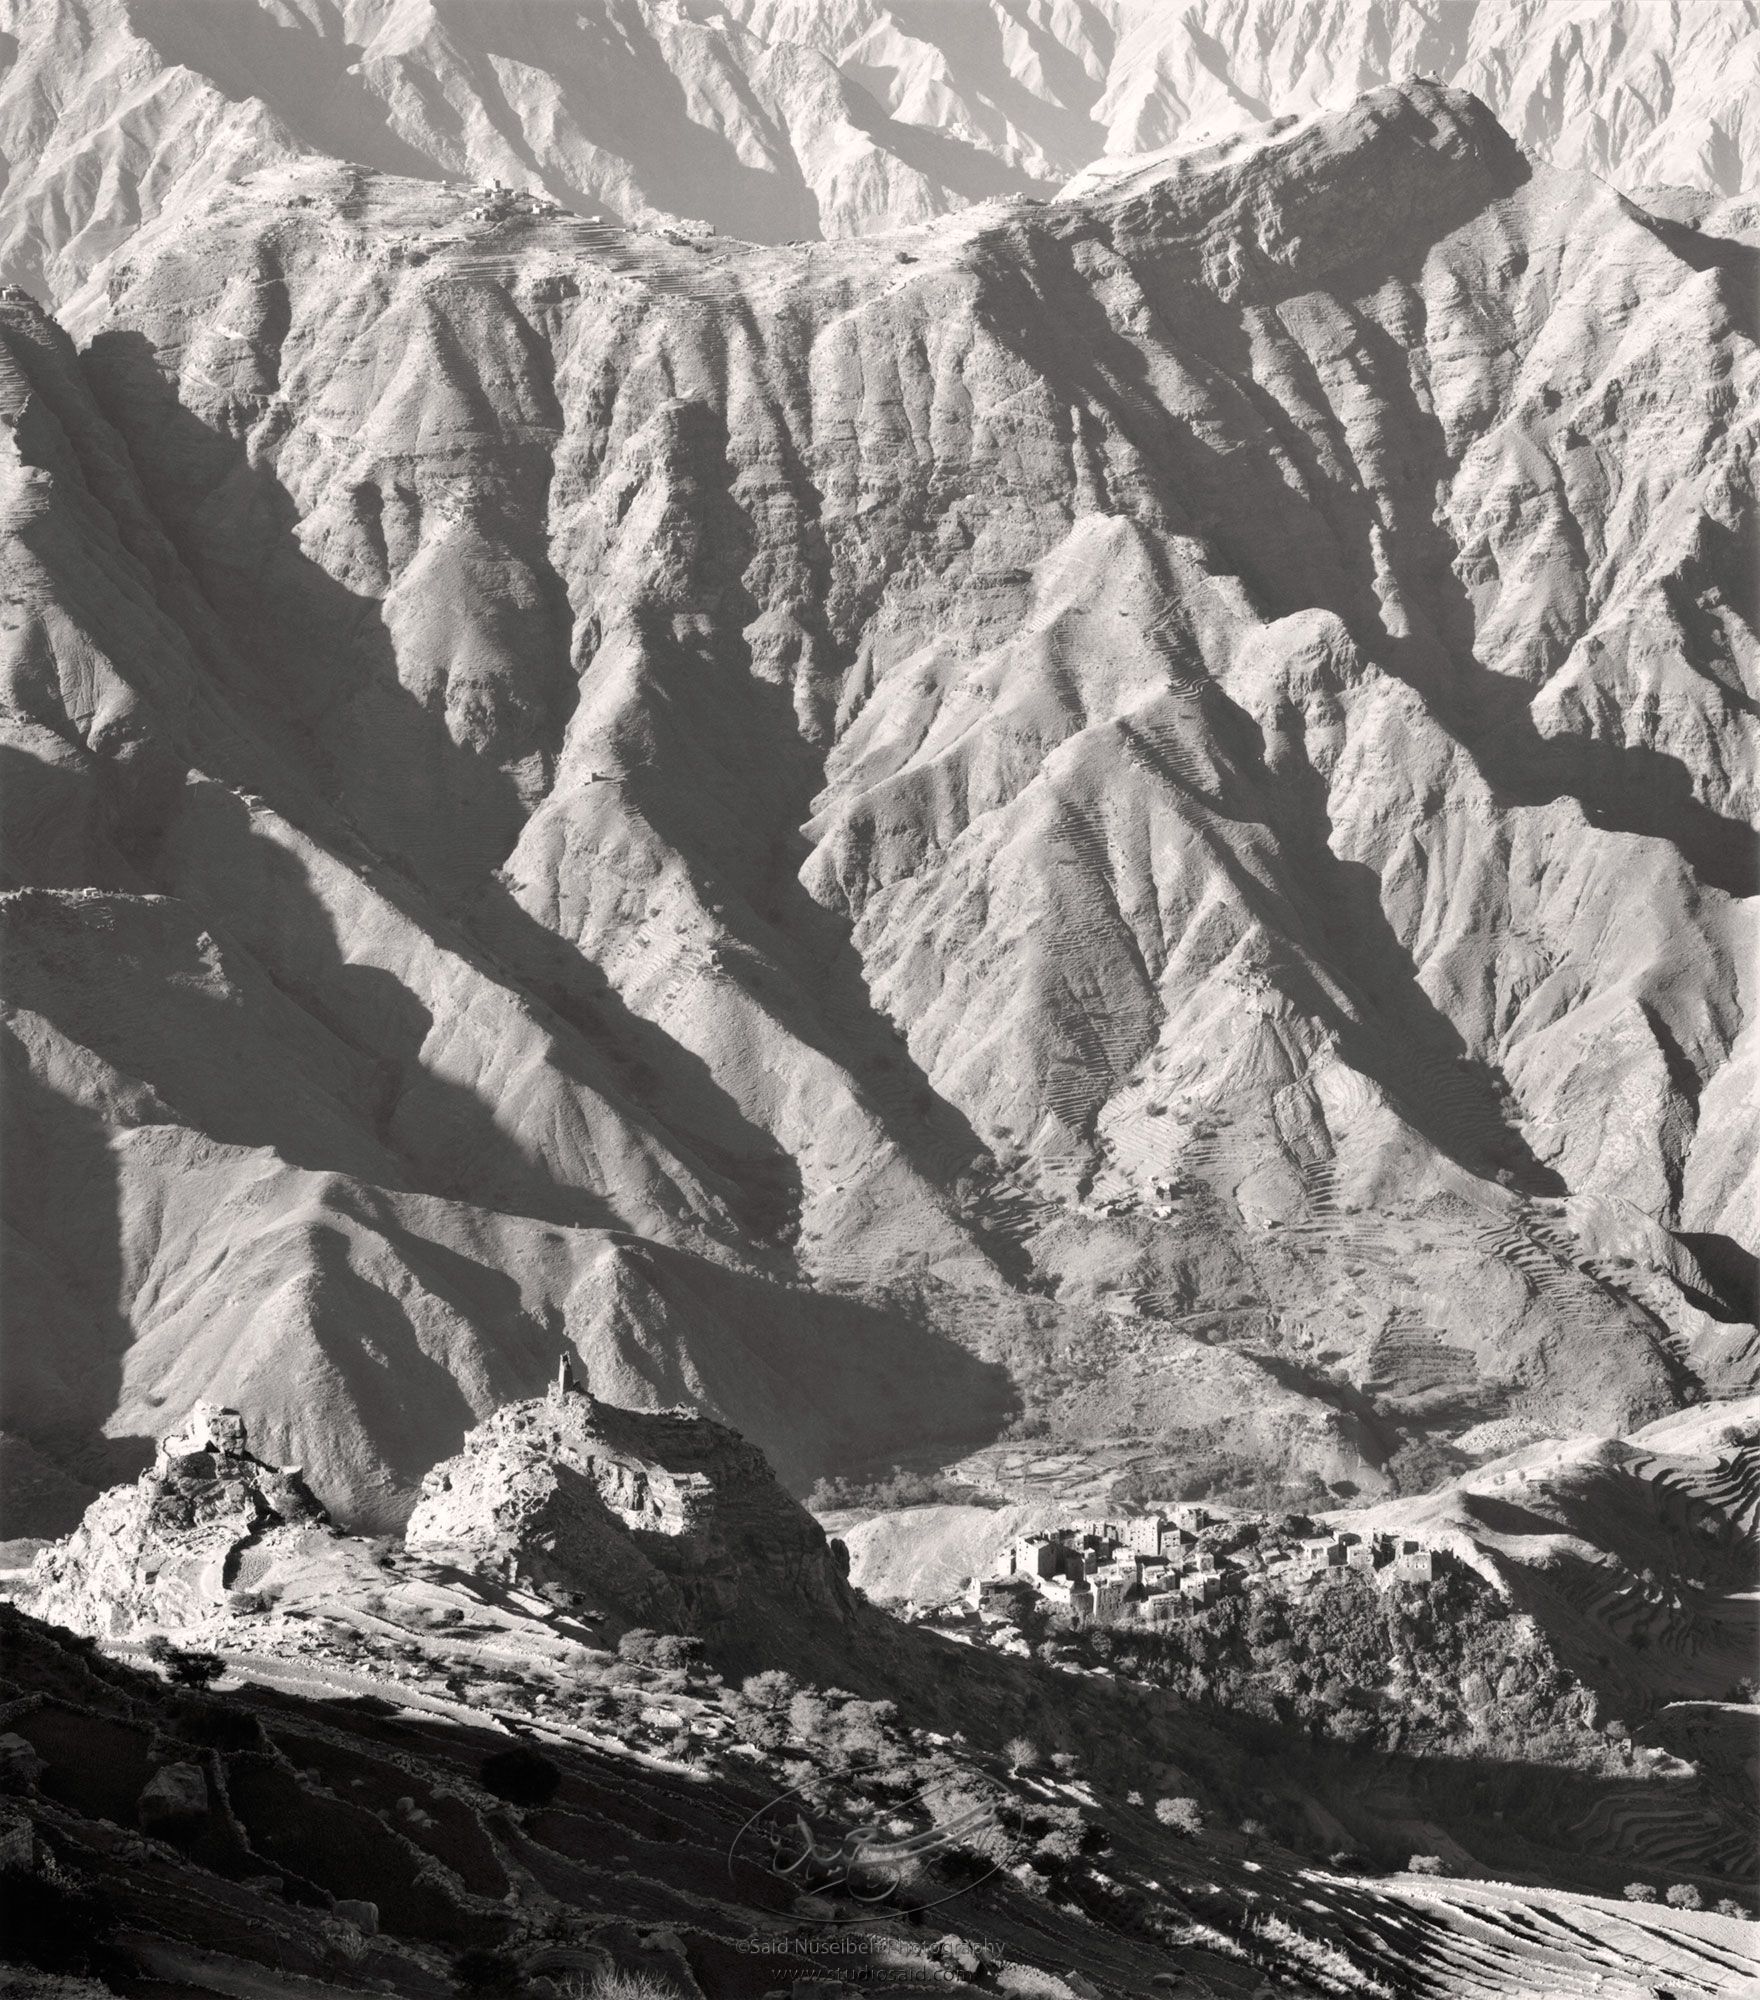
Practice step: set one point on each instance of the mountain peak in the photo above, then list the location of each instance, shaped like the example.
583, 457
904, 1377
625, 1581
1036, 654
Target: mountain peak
1265, 215
661, 1517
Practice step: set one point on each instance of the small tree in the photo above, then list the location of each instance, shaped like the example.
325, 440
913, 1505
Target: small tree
193, 1670
1727, 1906
1254, 1830
1424, 1864
1022, 1753
1184, 1816
1683, 1896
773, 1689
1639, 1892
659, 1649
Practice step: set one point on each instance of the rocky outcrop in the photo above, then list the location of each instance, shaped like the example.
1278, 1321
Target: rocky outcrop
170, 1551
662, 1518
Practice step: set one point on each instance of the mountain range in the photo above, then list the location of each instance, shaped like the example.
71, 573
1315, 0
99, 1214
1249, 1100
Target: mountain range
780, 119
1125, 817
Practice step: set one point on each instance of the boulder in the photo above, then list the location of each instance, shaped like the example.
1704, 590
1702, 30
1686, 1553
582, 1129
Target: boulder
21, 1764
175, 1795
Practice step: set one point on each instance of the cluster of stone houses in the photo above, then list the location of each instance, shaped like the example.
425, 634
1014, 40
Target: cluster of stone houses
1153, 1568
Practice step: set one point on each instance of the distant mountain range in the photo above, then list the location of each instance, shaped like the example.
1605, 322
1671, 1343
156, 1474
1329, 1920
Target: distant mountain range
776, 119
1131, 813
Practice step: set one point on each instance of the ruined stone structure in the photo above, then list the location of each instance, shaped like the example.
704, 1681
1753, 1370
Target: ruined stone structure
654, 1517
181, 1543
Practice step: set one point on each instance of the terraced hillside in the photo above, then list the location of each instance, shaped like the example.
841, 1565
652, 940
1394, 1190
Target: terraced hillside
323, 1803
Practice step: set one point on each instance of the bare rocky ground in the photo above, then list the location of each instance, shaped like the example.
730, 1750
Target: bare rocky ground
1123, 822
275, 1772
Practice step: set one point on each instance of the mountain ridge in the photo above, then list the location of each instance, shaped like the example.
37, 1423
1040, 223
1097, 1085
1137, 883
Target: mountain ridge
1136, 799
781, 119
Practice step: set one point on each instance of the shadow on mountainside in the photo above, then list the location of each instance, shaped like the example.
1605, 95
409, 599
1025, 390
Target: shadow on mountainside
447, 815
1399, 1036
855, 1374
1732, 1268
305, 651
1292, 555
61, 1276
1622, 788
618, 64
1396, 1034
731, 782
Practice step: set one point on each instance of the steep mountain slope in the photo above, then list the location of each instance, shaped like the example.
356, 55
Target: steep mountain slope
777, 119
1636, 1554
1140, 806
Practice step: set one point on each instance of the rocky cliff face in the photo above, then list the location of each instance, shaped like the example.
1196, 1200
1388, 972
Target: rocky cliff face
783, 119
171, 1550
1138, 807
662, 1518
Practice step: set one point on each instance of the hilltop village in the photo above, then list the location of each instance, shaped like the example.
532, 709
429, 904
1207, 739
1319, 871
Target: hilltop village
1156, 1568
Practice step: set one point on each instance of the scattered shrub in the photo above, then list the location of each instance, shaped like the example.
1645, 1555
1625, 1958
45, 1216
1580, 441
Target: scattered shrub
1639, 1892
1184, 1816
659, 1649
899, 1489
1422, 1464
618, 1986
1683, 1896
809, 1717
771, 1689
1424, 1864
